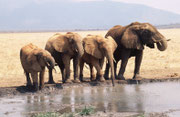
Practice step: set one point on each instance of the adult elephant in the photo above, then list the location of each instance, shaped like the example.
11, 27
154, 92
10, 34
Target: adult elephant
34, 60
131, 40
64, 47
96, 49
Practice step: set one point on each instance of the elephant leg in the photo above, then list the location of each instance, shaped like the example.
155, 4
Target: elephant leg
66, 61
81, 70
125, 56
35, 80
51, 81
29, 84
101, 62
75, 67
62, 72
115, 69
96, 64
41, 78
106, 74
93, 76
138, 60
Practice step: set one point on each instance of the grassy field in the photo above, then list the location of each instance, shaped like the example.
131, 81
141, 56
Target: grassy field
155, 64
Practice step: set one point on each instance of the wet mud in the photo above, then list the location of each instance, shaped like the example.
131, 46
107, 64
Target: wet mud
55, 88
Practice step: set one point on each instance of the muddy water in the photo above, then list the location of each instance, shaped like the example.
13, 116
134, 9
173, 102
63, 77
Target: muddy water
152, 97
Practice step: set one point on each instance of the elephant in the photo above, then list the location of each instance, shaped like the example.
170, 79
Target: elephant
64, 47
131, 40
34, 60
96, 48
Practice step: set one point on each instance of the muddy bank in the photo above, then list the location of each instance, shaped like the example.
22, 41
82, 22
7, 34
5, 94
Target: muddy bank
57, 88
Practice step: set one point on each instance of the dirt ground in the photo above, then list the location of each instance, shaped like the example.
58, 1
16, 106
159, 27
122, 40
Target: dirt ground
155, 64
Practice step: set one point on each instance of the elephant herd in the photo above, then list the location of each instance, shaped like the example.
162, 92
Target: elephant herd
120, 43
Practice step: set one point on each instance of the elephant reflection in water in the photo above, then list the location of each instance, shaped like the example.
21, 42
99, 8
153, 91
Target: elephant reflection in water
42, 103
110, 99
102, 98
36, 103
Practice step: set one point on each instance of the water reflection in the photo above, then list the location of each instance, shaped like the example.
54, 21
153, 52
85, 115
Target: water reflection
118, 99
121, 98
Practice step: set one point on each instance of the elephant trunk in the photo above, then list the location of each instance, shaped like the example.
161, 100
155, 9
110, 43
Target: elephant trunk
162, 45
109, 56
50, 62
160, 41
80, 50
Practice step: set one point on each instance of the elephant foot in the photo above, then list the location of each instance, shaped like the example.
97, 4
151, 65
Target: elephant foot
29, 86
101, 79
106, 77
41, 87
120, 77
68, 81
137, 77
51, 82
93, 78
76, 81
35, 86
81, 78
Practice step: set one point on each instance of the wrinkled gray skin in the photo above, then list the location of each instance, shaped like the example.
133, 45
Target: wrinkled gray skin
64, 48
34, 60
131, 40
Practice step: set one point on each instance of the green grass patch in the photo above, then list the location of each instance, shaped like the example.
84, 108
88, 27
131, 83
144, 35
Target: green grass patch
87, 111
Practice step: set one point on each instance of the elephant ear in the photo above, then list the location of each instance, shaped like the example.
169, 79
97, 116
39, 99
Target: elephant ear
130, 39
38, 54
91, 47
112, 43
61, 43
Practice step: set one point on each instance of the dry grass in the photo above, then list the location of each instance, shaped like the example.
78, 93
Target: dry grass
155, 64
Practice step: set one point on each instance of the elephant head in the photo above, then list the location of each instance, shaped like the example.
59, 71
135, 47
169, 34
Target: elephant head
44, 58
138, 34
99, 47
68, 43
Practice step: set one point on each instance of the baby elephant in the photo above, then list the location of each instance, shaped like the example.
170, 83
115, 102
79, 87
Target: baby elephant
34, 60
96, 49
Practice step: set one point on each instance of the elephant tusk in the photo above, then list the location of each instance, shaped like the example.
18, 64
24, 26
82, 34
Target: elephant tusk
114, 60
54, 70
86, 66
168, 40
48, 64
76, 50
